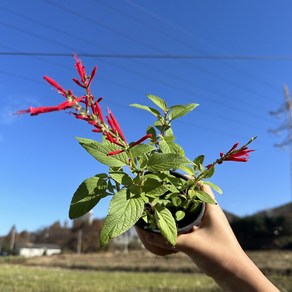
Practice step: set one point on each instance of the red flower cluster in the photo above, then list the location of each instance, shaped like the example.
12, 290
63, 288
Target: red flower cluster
87, 109
238, 155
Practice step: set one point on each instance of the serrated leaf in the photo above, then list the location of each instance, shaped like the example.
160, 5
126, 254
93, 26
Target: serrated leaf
205, 197
178, 111
150, 183
166, 224
88, 194
158, 191
166, 161
149, 109
100, 150
214, 187
168, 146
158, 101
141, 149
176, 148
124, 212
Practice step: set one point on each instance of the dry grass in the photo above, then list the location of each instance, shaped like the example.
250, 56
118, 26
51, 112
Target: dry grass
133, 261
275, 262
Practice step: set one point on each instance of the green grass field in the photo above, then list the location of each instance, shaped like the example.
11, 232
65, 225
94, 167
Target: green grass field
18, 278
118, 272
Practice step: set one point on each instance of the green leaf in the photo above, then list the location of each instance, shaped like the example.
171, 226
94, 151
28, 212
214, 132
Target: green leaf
167, 145
141, 149
175, 200
158, 191
178, 111
150, 184
143, 161
166, 161
121, 178
176, 148
158, 101
214, 187
166, 224
208, 172
151, 130
100, 150
151, 110
179, 215
124, 212
87, 196
205, 197
168, 139
198, 161
164, 146
168, 132
188, 170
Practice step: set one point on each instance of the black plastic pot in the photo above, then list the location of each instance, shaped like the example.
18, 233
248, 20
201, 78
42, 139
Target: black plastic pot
185, 225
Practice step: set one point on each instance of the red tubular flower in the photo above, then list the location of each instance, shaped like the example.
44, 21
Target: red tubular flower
81, 117
233, 147
111, 123
141, 140
115, 152
116, 125
80, 69
60, 89
46, 109
241, 156
109, 137
78, 82
92, 74
96, 110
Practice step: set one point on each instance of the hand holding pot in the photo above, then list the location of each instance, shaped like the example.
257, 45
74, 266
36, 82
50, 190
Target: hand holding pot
214, 248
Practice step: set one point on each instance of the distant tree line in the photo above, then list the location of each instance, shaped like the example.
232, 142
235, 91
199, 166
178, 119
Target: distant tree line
265, 230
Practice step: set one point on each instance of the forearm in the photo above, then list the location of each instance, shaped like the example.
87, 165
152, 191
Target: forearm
239, 274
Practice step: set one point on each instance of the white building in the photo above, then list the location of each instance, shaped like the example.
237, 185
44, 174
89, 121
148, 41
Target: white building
34, 249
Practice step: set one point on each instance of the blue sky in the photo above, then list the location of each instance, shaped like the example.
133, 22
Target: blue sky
42, 163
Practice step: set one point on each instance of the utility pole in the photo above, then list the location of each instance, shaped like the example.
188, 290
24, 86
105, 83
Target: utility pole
79, 241
12, 238
287, 125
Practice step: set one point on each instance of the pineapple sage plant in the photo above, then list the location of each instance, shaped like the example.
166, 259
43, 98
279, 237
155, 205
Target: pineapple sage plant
144, 178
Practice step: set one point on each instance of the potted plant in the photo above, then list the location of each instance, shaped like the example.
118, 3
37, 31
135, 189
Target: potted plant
151, 182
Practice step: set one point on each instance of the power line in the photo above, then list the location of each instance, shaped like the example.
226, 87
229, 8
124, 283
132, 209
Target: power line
17, 53
119, 55
188, 34
139, 73
146, 44
150, 56
73, 35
